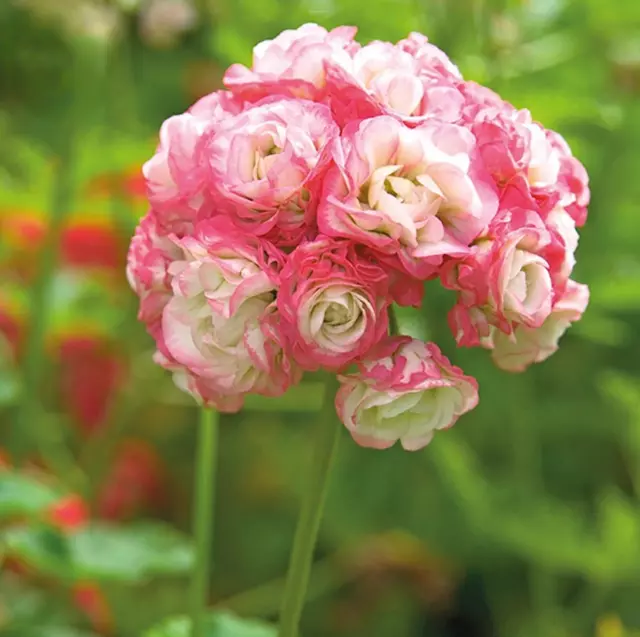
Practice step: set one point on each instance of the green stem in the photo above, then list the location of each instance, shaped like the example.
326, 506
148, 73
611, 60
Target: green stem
203, 515
264, 600
325, 444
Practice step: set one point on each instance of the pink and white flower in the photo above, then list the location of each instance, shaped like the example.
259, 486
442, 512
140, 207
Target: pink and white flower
148, 262
293, 63
220, 325
204, 392
267, 164
511, 278
333, 304
414, 192
413, 81
330, 181
404, 390
527, 345
176, 176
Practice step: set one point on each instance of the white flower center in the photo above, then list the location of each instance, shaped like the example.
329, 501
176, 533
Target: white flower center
337, 318
528, 282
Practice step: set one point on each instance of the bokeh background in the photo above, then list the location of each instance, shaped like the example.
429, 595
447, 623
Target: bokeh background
522, 521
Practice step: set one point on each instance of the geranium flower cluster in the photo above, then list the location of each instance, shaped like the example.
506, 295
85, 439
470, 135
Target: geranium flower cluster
329, 182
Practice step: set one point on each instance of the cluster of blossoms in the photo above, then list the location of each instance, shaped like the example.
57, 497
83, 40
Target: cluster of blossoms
330, 181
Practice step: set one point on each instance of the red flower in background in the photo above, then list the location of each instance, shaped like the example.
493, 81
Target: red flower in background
69, 513
88, 244
11, 327
91, 600
128, 184
83, 243
5, 459
91, 374
135, 482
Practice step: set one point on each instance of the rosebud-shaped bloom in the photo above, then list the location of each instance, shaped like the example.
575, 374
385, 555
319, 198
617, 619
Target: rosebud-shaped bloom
508, 280
414, 192
176, 175
219, 324
333, 304
528, 345
150, 255
267, 165
413, 81
404, 390
293, 63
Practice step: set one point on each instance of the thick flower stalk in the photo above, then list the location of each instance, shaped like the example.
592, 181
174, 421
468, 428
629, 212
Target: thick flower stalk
329, 182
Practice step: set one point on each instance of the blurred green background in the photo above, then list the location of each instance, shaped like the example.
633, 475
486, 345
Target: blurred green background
522, 521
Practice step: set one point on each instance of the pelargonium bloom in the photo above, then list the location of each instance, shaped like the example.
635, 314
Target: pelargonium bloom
515, 352
404, 390
510, 279
266, 166
413, 81
332, 302
293, 63
414, 192
176, 176
219, 323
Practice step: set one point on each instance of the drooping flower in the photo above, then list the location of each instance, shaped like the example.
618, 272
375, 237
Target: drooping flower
332, 302
267, 166
404, 390
415, 193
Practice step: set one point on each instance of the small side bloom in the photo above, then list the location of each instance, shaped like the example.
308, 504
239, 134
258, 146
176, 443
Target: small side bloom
404, 390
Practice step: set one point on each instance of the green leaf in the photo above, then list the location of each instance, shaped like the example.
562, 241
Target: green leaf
216, 625
43, 548
23, 496
130, 554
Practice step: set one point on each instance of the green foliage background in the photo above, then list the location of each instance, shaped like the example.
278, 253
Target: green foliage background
522, 521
